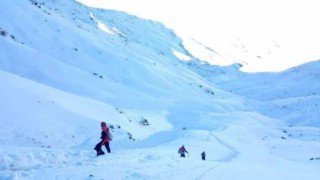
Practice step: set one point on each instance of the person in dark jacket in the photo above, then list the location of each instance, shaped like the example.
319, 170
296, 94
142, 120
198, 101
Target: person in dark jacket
182, 150
203, 155
104, 140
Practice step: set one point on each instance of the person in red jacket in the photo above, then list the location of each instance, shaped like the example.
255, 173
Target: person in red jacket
104, 140
182, 150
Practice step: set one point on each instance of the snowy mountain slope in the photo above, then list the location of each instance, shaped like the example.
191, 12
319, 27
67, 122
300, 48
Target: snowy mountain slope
262, 35
291, 95
126, 73
62, 50
101, 60
65, 67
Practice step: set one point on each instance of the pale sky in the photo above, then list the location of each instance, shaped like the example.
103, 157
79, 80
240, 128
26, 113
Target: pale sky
265, 35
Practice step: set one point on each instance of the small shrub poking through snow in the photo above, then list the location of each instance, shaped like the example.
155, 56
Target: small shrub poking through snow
144, 122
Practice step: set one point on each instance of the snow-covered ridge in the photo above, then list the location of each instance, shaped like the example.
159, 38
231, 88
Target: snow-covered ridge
265, 36
291, 95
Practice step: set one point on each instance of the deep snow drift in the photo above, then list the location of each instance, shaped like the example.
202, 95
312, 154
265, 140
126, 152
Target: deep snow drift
65, 67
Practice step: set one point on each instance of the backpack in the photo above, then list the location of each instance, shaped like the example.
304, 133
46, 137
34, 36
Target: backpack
109, 135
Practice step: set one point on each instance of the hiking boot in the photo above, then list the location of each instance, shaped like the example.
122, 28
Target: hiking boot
100, 153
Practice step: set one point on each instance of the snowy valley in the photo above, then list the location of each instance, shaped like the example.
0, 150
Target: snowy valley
65, 67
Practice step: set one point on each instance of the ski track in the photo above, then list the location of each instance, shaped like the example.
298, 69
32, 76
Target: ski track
234, 153
205, 172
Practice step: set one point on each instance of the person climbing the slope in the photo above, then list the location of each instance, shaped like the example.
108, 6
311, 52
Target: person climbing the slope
105, 138
203, 155
182, 151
